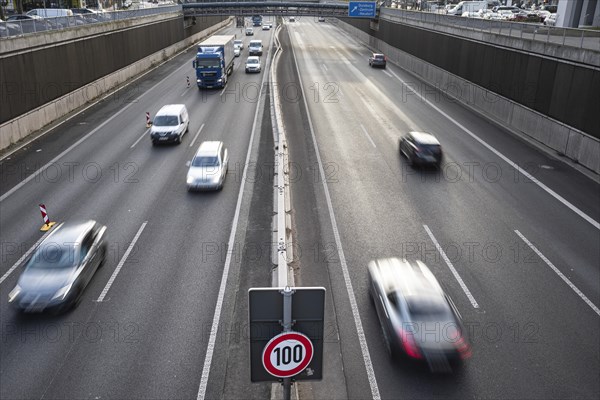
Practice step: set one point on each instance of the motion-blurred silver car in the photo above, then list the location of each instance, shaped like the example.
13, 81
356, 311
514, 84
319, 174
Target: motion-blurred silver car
208, 167
60, 268
418, 319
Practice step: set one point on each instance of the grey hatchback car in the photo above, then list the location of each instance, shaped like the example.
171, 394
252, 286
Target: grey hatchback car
60, 268
377, 60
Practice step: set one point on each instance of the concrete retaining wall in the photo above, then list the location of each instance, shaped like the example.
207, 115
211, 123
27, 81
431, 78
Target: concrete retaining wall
565, 140
22, 126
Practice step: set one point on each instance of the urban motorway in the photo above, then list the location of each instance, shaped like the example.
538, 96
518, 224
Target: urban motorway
509, 230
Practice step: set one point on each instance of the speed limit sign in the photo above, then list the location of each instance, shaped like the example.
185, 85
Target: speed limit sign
287, 354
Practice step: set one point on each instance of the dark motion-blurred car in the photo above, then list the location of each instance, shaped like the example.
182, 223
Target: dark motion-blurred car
418, 319
60, 268
421, 148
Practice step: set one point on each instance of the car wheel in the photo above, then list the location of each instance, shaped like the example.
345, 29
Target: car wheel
179, 139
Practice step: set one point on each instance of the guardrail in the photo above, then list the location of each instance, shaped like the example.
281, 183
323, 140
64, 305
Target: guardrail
34, 26
571, 37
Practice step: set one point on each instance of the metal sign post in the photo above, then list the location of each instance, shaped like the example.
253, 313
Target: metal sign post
287, 327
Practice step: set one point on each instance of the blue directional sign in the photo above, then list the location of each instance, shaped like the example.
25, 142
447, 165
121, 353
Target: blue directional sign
362, 9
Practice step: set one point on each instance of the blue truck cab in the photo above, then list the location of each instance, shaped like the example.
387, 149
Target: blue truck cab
214, 61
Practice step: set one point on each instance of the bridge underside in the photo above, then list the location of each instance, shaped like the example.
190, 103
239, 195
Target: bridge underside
265, 8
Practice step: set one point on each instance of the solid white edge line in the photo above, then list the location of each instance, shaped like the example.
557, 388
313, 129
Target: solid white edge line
196, 135
121, 263
387, 73
353, 305
452, 269
77, 143
140, 138
23, 257
560, 274
230, 248
368, 136
558, 197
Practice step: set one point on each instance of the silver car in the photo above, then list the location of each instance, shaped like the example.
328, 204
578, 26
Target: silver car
208, 169
60, 268
253, 64
419, 321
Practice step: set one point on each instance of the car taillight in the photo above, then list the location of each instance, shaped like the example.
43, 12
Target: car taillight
463, 348
410, 347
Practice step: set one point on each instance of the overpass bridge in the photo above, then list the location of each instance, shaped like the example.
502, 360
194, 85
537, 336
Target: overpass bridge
275, 8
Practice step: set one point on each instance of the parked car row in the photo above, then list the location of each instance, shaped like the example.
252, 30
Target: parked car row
38, 20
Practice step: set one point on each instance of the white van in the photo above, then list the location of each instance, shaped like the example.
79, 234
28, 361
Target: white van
50, 12
255, 48
170, 123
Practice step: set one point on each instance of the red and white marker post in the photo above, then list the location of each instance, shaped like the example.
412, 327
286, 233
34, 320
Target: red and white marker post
188, 81
47, 223
148, 123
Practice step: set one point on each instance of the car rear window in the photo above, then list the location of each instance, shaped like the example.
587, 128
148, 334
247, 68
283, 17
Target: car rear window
206, 161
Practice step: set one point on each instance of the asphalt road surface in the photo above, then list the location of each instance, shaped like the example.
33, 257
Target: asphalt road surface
510, 231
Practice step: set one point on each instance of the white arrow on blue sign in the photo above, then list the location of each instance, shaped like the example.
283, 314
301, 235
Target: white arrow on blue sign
362, 9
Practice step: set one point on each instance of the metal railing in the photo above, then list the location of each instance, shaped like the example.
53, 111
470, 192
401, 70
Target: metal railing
33, 26
577, 38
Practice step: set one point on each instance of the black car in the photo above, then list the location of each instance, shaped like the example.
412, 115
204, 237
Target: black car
377, 60
419, 320
421, 148
60, 268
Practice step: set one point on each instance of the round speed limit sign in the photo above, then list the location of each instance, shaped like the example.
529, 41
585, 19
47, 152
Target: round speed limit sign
287, 354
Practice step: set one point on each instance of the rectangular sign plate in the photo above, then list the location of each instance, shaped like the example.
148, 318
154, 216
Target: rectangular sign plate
265, 309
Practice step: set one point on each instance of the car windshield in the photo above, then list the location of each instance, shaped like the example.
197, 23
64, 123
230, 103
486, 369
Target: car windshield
205, 161
166, 120
53, 255
252, 62
207, 63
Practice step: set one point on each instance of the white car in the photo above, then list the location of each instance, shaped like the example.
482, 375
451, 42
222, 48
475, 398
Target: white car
253, 64
208, 168
237, 50
266, 27
239, 43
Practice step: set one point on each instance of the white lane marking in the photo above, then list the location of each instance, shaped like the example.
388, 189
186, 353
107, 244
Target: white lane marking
185, 91
452, 269
367, 135
140, 138
224, 89
121, 263
560, 274
387, 73
230, 248
23, 257
77, 143
558, 197
364, 347
324, 67
196, 136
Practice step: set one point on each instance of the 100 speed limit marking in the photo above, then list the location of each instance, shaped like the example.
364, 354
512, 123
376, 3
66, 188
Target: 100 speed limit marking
287, 354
